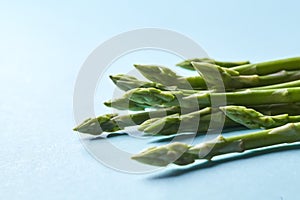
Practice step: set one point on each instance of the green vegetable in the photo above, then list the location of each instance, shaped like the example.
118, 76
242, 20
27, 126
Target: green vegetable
126, 82
169, 104
167, 77
290, 84
232, 80
197, 121
253, 119
115, 122
262, 68
269, 67
151, 97
187, 64
184, 154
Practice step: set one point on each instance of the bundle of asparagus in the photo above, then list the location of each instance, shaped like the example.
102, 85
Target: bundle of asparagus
169, 104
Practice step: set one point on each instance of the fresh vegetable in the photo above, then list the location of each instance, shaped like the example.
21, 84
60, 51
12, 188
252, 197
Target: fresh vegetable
184, 154
222, 95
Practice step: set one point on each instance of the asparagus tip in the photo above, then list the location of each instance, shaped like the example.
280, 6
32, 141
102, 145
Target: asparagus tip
162, 155
107, 103
90, 126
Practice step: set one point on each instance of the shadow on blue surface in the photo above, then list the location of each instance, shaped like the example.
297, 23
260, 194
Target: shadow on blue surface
209, 164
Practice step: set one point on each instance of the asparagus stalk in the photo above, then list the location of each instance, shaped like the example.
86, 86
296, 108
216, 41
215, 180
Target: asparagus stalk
290, 84
269, 67
140, 98
184, 154
234, 81
151, 97
253, 119
187, 64
262, 68
125, 103
167, 77
126, 82
115, 122
277, 109
248, 97
197, 121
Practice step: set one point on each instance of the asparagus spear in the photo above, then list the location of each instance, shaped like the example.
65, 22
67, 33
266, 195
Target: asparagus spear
262, 68
197, 121
277, 109
167, 77
254, 119
234, 81
290, 84
115, 122
187, 64
96, 126
269, 67
125, 103
126, 82
231, 78
140, 98
151, 97
184, 154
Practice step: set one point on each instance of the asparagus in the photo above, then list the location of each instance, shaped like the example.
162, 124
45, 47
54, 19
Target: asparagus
151, 97
277, 109
167, 77
141, 98
115, 122
290, 84
234, 81
269, 67
184, 154
262, 68
96, 126
248, 97
187, 64
125, 103
126, 82
197, 121
253, 119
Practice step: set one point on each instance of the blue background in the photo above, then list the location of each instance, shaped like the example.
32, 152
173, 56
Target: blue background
42, 47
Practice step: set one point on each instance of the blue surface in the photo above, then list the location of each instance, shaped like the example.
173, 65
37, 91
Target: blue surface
42, 46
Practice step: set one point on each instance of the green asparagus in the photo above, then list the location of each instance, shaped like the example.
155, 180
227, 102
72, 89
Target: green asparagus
126, 82
115, 122
151, 97
233, 81
187, 64
231, 78
184, 154
262, 68
198, 121
254, 119
167, 77
269, 67
290, 84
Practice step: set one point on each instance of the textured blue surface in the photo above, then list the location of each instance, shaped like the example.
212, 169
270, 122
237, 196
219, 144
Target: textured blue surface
42, 46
